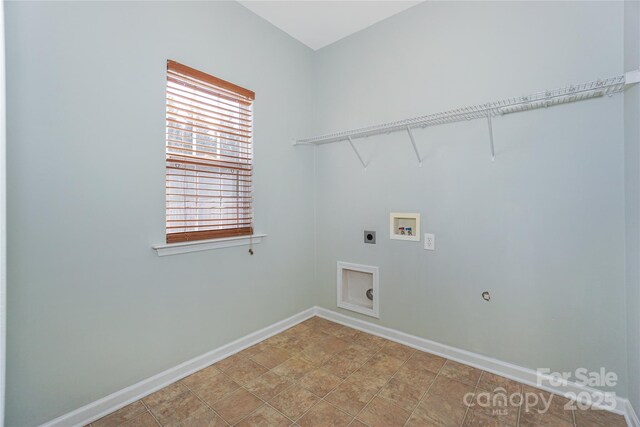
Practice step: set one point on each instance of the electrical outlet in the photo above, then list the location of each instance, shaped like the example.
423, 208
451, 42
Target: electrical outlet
430, 241
370, 237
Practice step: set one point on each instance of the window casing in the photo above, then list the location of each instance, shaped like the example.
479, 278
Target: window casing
209, 156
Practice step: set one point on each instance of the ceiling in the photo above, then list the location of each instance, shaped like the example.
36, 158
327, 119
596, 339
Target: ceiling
320, 23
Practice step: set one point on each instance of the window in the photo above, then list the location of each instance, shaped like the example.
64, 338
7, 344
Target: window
209, 156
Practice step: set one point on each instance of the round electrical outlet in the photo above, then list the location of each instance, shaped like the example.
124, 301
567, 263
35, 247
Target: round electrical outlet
370, 237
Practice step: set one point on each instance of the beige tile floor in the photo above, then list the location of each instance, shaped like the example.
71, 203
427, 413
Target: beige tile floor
319, 373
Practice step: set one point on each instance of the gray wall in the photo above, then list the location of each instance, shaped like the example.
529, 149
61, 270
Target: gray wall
542, 228
632, 190
92, 309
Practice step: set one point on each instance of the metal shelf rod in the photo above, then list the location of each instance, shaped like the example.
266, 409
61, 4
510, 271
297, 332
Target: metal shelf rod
567, 94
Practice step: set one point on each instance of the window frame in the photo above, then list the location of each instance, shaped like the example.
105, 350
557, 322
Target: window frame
199, 164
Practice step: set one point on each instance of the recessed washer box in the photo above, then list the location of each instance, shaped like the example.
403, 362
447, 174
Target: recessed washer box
404, 226
354, 280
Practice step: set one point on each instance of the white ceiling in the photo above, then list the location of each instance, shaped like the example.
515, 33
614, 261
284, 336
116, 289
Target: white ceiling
319, 23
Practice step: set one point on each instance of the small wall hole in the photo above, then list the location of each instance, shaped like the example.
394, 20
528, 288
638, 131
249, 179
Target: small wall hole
486, 296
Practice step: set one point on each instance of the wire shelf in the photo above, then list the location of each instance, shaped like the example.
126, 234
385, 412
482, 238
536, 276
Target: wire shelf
564, 95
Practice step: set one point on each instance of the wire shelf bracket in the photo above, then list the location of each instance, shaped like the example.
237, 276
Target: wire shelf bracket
573, 93
415, 147
355, 150
493, 150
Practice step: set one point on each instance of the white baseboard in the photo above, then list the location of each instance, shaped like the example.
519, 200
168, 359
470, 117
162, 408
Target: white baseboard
631, 415
517, 373
119, 399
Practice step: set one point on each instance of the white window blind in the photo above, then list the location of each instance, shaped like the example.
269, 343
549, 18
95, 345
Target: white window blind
208, 157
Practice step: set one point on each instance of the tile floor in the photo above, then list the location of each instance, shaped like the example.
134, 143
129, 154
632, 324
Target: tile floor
319, 373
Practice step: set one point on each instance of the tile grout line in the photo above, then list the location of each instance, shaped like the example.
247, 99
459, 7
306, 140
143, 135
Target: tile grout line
266, 367
376, 393
475, 391
154, 418
389, 380
275, 409
202, 400
293, 354
320, 398
342, 382
381, 387
291, 341
425, 392
150, 413
264, 403
573, 421
345, 379
244, 386
520, 408
295, 382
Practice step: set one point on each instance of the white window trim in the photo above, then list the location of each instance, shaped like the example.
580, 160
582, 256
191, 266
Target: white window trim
205, 245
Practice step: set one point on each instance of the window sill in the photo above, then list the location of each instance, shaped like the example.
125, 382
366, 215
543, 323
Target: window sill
205, 245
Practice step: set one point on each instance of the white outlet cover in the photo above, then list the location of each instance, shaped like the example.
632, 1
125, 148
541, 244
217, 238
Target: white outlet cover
430, 241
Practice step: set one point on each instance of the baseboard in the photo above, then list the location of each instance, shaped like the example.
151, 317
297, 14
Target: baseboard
631, 416
119, 399
495, 366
